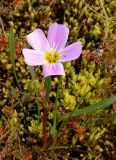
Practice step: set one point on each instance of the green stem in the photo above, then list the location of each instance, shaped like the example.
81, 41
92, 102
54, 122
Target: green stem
32, 73
47, 86
55, 110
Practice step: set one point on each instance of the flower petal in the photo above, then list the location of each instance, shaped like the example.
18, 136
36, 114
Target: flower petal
53, 69
33, 57
57, 35
71, 52
37, 40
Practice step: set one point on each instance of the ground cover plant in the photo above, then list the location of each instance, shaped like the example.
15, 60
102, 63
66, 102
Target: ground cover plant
65, 109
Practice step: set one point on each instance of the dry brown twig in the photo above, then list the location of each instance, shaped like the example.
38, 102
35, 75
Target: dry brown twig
2, 26
48, 7
90, 8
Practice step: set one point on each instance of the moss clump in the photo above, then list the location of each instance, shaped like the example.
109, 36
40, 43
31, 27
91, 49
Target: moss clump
88, 80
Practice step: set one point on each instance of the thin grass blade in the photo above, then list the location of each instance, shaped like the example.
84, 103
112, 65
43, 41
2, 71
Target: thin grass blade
12, 53
32, 73
92, 108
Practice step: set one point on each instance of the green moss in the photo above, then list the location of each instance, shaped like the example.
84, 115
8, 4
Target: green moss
88, 80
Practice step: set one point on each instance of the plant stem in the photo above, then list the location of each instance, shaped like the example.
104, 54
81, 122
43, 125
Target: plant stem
54, 128
47, 86
45, 113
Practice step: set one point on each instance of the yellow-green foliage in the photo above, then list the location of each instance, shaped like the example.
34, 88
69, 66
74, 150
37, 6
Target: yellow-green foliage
86, 81
35, 128
68, 101
86, 86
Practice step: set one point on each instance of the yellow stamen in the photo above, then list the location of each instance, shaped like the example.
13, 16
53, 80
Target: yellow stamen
52, 56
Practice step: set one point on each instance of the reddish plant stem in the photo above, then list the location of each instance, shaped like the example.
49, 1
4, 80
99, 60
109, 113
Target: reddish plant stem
45, 112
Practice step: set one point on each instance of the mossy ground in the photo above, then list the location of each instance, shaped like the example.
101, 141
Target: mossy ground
88, 80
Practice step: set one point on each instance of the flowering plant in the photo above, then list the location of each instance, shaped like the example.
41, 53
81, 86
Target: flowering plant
51, 51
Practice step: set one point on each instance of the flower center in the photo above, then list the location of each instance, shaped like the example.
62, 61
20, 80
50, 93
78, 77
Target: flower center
52, 56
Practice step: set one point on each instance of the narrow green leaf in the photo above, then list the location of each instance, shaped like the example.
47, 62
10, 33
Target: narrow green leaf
32, 72
92, 108
47, 86
54, 127
12, 53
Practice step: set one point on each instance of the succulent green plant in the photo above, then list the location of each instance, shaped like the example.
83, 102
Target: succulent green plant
87, 81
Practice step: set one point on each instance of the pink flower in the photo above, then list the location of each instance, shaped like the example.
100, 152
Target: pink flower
51, 51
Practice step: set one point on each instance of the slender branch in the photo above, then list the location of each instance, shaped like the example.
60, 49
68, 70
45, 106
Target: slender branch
48, 7
98, 12
103, 8
20, 149
106, 15
97, 158
4, 135
2, 26
8, 140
